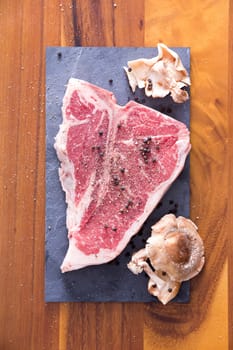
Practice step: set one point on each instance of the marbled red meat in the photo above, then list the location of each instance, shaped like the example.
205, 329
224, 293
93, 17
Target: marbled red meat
116, 164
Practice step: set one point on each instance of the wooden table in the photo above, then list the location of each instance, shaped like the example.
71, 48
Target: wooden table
27, 27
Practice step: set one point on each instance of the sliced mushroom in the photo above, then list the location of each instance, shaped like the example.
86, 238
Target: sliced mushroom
160, 75
175, 252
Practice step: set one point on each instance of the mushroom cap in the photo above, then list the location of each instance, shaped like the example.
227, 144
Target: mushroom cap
176, 248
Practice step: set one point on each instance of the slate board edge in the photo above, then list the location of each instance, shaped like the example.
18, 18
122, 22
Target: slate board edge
60, 298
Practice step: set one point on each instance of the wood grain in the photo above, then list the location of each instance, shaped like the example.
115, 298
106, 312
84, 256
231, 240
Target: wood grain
230, 187
100, 26
209, 175
26, 322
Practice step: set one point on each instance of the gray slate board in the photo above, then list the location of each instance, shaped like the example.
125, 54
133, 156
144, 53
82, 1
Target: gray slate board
112, 281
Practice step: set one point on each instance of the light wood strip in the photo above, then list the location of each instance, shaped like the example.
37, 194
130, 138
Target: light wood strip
10, 104
63, 325
203, 26
230, 187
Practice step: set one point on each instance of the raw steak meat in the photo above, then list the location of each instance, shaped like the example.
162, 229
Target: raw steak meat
116, 164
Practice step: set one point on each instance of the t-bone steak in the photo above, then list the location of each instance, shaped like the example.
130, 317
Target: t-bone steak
116, 164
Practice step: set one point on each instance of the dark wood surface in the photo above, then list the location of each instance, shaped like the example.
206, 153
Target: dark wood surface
27, 27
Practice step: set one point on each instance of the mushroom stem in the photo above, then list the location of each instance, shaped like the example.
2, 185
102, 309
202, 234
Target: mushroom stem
163, 289
138, 261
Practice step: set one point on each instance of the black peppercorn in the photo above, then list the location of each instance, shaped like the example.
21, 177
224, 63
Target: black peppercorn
59, 55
